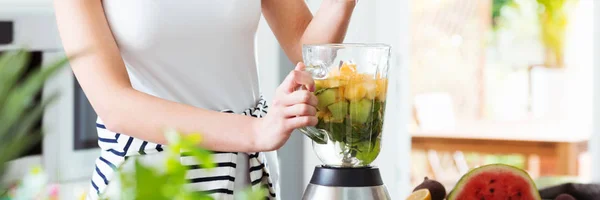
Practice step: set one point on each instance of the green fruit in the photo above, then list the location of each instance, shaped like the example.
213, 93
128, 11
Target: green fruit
326, 98
360, 111
338, 110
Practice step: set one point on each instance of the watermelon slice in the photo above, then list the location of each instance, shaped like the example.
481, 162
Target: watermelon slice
496, 181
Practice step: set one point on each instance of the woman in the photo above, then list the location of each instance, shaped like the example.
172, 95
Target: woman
188, 65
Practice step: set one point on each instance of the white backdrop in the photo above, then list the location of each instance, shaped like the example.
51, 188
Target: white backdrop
594, 144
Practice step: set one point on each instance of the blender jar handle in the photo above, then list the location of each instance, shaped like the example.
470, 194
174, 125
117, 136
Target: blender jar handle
315, 134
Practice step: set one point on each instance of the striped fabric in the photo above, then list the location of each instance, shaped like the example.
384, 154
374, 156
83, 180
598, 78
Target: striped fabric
219, 181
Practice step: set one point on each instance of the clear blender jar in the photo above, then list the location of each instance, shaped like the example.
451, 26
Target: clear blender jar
351, 86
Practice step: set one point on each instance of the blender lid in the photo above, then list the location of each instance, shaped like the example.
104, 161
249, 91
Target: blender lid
346, 177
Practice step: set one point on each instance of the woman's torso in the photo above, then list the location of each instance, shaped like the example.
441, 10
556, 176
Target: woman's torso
199, 53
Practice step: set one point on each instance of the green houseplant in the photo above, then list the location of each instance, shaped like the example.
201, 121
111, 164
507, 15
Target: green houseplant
17, 113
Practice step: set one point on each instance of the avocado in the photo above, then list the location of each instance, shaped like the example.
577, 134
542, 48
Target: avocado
338, 110
360, 110
326, 98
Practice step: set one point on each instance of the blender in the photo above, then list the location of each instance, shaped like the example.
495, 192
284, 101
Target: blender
351, 86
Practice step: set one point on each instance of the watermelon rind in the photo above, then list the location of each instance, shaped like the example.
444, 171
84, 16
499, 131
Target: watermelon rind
492, 167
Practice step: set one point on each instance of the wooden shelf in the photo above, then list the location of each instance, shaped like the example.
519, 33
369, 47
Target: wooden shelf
526, 130
554, 141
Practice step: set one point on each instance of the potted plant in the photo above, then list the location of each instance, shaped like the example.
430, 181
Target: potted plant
17, 114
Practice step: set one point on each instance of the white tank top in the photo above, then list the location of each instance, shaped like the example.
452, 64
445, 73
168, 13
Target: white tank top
199, 53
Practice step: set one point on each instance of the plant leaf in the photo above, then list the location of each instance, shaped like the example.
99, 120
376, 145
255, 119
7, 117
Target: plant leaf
29, 119
189, 144
148, 182
11, 149
197, 196
19, 98
12, 65
204, 157
250, 194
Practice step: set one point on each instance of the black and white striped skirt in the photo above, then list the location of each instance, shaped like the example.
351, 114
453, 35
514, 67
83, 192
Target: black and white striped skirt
219, 181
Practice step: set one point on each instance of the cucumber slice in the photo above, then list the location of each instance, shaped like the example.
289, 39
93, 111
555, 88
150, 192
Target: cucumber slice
326, 98
360, 110
338, 110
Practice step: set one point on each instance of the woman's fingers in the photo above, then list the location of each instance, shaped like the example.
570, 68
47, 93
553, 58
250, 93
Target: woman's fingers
300, 110
300, 66
296, 78
300, 122
298, 97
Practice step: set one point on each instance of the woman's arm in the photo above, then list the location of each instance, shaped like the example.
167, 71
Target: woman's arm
293, 24
103, 77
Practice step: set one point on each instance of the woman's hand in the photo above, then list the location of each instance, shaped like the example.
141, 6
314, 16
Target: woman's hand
291, 109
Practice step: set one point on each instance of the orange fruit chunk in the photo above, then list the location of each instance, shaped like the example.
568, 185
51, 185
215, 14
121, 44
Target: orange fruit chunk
329, 83
355, 92
347, 71
371, 88
326, 117
348, 68
422, 194
319, 84
341, 90
381, 89
321, 114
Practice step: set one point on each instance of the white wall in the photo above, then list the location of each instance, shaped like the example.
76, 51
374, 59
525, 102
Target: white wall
392, 27
594, 144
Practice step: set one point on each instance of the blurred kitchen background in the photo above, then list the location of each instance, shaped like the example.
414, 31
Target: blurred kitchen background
476, 82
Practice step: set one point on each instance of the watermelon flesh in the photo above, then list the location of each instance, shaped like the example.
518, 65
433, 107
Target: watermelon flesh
495, 182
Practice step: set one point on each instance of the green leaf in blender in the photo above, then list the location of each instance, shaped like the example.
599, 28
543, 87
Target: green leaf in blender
377, 106
335, 130
338, 110
368, 151
355, 133
377, 118
326, 98
360, 110
338, 131
321, 124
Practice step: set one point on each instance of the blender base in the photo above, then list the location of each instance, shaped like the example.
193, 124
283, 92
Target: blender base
346, 193
346, 184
